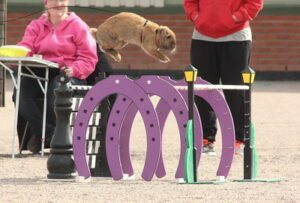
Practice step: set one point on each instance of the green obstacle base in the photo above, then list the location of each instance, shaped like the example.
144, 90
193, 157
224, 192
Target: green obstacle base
255, 162
205, 182
258, 180
182, 181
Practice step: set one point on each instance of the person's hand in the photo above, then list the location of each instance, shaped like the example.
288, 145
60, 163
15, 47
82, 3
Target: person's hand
235, 18
68, 71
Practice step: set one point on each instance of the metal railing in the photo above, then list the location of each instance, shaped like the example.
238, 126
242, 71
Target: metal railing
118, 3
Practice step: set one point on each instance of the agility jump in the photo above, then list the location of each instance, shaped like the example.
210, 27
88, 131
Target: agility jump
138, 96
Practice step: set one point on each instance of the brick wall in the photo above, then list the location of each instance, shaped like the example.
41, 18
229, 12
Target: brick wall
276, 42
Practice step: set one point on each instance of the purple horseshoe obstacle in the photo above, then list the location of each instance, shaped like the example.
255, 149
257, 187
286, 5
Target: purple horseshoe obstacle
120, 162
171, 99
154, 85
116, 85
219, 105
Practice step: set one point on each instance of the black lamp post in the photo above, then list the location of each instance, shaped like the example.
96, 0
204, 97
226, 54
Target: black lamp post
248, 78
190, 165
250, 157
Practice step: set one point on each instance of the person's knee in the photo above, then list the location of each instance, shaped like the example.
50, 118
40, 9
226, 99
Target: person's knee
75, 81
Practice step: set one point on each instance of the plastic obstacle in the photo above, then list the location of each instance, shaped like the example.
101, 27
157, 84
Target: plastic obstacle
116, 85
134, 95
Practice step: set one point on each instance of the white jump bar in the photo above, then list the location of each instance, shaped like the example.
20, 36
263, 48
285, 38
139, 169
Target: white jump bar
213, 87
196, 87
80, 87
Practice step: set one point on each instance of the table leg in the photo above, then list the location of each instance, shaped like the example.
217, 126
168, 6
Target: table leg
45, 110
17, 108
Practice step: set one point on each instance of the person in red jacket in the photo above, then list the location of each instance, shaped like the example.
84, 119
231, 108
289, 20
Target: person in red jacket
220, 50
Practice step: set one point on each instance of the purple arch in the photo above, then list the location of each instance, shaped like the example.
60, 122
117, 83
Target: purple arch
116, 85
171, 99
163, 111
219, 105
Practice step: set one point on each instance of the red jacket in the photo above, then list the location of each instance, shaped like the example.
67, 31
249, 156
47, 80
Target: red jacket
214, 17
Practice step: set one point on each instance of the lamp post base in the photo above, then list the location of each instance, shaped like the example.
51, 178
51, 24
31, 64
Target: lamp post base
61, 167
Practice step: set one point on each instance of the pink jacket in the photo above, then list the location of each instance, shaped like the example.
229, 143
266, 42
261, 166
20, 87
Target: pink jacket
69, 44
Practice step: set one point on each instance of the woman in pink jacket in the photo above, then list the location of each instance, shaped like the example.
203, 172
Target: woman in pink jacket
220, 50
62, 37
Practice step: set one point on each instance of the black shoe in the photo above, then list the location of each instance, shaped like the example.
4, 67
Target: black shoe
49, 136
34, 145
208, 148
48, 141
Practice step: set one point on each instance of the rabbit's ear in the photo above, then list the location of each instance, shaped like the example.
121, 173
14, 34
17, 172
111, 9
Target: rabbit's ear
93, 31
164, 32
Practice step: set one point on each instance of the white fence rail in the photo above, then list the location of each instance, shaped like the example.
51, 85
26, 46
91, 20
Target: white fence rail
117, 3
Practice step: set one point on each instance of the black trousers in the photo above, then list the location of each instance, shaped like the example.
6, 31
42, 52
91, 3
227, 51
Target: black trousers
221, 62
31, 103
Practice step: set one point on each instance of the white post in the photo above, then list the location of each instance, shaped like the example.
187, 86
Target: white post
99, 3
122, 2
158, 3
72, 2
145, 3
130, 3
114, 3
84, 2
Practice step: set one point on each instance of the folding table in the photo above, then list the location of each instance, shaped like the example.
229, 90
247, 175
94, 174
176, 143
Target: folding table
27, 63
